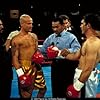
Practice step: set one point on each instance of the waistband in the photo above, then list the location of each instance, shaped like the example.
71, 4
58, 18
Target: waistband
25, 62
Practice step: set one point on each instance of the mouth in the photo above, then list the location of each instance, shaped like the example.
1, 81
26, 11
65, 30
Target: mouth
1, 30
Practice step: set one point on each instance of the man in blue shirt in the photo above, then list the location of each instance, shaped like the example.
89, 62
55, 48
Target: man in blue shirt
60, 67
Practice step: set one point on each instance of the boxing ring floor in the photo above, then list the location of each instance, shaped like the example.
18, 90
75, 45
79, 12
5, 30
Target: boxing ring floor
47, 75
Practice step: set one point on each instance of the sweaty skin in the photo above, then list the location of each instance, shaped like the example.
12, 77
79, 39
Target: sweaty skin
25, 46
88, 55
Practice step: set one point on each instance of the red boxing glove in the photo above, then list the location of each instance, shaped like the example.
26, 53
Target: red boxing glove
52, 52
38, 58
25, 80
72, 93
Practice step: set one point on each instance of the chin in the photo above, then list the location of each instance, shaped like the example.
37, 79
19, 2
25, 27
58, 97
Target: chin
1, 31
30, 31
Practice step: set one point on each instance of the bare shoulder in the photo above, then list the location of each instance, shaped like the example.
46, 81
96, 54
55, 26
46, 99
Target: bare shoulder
33, 35
15, 39
93, 43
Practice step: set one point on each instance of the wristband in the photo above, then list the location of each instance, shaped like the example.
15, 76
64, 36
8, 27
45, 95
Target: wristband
20, 72
78, 85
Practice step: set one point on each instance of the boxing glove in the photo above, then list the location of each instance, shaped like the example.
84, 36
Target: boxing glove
52, 52
73, 91
38, 58
24, 80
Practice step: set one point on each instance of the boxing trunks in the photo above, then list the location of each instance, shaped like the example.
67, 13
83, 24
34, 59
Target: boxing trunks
28, 68
90, 85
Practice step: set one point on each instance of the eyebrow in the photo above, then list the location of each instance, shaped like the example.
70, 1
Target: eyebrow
65, 22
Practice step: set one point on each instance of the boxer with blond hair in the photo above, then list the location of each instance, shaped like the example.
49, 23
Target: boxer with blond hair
26, 60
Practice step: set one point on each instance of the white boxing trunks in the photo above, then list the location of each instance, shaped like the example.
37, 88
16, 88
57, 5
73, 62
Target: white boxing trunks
90, 85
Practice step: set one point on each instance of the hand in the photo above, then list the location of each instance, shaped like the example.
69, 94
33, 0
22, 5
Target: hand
64, 52
25, 81
72, 93
52, 52
38, 58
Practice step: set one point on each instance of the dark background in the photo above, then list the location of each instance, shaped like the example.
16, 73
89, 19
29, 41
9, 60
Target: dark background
42, 12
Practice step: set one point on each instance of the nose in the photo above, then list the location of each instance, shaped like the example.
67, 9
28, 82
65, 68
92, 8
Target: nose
80, 26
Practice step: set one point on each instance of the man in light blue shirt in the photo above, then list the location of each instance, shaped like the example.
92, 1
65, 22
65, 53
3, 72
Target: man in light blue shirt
61, 38
61, 68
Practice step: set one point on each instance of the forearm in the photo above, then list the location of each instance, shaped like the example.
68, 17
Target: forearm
16, 63
72, 56
84, 76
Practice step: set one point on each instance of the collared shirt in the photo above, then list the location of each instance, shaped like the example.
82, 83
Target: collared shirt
66, 40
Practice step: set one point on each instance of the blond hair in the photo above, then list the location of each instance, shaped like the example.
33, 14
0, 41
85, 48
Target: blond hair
23, 18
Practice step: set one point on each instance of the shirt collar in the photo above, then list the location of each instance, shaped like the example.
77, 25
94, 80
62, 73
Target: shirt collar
60, 34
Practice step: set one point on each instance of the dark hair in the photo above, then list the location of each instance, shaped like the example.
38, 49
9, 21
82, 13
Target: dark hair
93, 19
55, 19
64, 17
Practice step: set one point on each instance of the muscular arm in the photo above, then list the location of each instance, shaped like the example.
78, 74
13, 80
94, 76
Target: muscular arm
71, 56
90, 61
15, 54
36, 41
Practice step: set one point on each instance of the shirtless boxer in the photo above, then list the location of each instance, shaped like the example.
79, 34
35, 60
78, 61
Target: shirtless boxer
23, 46
88, 56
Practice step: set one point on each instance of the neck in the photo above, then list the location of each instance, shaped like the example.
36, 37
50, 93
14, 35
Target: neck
23, 32
90, 33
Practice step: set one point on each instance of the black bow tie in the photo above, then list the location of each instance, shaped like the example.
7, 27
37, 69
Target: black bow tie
58, 35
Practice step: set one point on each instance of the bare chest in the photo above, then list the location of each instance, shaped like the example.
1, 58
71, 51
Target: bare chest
27, 41
83, 50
